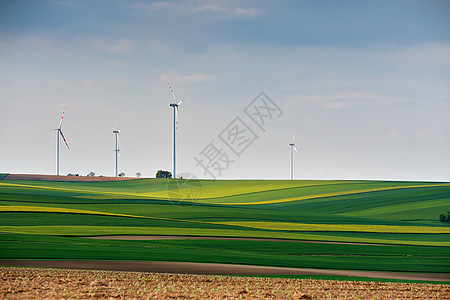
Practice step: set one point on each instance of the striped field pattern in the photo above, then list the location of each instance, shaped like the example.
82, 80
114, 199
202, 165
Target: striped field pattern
45, 219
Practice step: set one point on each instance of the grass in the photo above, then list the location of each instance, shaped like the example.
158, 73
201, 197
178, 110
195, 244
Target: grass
43, 220
343, 278
286, 226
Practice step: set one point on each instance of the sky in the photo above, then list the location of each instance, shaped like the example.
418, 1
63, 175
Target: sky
365, 85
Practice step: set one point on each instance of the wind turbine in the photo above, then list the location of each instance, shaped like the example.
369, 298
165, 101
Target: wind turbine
117, 150
59, 132
292, 148
175, 127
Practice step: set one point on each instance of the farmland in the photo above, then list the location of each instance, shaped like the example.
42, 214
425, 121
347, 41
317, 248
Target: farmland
19, 283
373, 226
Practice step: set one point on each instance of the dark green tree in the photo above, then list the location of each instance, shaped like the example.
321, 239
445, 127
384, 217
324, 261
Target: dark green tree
445, 217
163, 174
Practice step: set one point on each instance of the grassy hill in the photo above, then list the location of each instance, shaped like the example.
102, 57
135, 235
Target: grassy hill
46, 220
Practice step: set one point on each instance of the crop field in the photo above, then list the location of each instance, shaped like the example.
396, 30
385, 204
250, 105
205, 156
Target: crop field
374, 226
22, 283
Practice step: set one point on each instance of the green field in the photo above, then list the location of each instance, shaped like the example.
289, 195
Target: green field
395, 224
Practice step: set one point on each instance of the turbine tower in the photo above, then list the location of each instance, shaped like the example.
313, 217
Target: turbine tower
117, 150
58, 133
175, 128
292, 148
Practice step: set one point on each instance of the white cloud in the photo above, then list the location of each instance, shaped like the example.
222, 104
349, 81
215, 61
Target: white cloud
352, 99
209, 7
232, 11
68, 105
115, 47
246, 11
431, 54
151, 6
97, 84
393, 134
28, 41
189, 78
421, 133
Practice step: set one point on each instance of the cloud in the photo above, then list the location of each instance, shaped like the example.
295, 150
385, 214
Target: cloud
246, 11
232, 11
353, 99
29, 41
393, 134
69, 3
116, 47
92, 83
189, 79
422, 133
68, 105
139, 5
433, 53
209, 7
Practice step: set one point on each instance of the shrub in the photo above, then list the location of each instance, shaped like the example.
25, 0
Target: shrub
445, 217
163, 174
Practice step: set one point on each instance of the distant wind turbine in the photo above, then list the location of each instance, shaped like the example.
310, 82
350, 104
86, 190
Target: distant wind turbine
59, 132
175, 128
292, 148
117, 150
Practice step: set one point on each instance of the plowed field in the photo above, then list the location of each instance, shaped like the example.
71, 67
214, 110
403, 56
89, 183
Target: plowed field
27, 283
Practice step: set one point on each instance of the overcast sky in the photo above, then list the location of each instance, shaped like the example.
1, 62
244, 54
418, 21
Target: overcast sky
365, 84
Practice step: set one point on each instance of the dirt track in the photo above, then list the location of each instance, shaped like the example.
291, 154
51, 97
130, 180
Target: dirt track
25, 283
214, 269
63, 178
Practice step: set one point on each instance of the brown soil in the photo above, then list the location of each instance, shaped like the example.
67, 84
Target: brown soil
63, 178
25, 283
215, 269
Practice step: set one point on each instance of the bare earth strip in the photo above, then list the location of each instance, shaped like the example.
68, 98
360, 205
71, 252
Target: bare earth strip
64, 178
215, 269
26, 283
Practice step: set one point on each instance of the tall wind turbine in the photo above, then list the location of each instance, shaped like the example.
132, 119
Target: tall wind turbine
58, 133
117, 150
175, 127
292, 148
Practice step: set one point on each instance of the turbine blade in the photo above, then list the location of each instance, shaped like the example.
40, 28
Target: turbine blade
293, 137
173, 94
295, 149
60, 131
62, 117
180, 102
